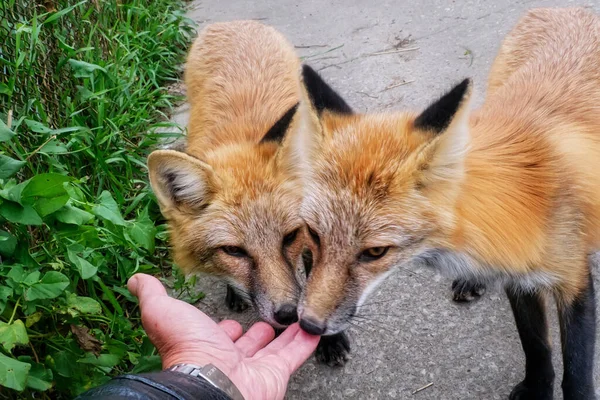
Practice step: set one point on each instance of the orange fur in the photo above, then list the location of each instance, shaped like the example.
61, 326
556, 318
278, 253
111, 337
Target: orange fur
513, 186
228, 189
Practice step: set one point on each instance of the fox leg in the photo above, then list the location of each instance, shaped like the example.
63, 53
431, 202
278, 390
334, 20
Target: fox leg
234, 301
465, 290
333, 350
578, 337
530, 317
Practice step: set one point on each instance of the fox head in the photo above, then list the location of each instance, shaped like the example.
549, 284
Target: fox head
379, 190
233, 213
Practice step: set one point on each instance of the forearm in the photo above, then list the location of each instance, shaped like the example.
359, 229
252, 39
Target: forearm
163, 385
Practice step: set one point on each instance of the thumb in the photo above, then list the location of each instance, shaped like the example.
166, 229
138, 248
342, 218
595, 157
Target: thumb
145, 287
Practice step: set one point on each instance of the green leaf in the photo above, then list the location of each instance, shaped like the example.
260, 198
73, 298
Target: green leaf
82, 305
53, 17
5, 293
8, 243
32, 319
16, 273
19, 214
13, 373
53, 283
72, 215
103, 360
32, 278
4, 89
86, 270
44, 185
5, 132
37, 127
108, 209
82, 69
40, 378
9, 166
54, 147
13, 334
46, 206
13, 193
142, 231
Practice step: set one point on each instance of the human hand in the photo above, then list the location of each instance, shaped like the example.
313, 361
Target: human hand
259, 366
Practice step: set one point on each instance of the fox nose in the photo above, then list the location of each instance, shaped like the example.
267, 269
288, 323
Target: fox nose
312, 326
286, 314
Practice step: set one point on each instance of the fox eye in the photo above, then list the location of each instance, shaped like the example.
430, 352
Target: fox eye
314, 235
374, 253
234, 251
290, 237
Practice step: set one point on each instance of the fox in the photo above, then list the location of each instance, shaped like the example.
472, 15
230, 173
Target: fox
508, 193
229, 199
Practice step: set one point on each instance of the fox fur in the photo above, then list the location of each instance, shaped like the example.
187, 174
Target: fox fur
231, 206
508, 192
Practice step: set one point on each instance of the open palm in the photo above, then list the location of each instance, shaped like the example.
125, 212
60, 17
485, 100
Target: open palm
259, 366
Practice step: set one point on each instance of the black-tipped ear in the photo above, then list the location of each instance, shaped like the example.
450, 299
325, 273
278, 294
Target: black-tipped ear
437, 116
278, 130
322, 96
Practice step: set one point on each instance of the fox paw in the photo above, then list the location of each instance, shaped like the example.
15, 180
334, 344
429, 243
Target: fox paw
234, 301
333, 350
467, 290
524, 392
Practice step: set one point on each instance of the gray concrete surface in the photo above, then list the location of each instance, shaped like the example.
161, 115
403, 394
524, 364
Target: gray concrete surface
417, 335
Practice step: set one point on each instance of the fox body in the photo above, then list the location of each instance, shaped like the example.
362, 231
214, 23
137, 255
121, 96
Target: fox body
230, 199
231, 208
509, 192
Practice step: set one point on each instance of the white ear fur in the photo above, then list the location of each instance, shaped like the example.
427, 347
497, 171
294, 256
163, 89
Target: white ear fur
179, 180
451, 146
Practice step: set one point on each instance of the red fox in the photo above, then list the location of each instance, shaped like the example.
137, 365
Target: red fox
508, 193
231, 204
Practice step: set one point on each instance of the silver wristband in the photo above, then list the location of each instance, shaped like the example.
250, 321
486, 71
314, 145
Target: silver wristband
212, 375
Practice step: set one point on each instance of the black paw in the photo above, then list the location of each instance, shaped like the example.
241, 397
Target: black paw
234, 301
467, 290
526, 392
333, 350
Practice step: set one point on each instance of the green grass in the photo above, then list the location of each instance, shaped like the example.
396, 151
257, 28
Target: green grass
81, 96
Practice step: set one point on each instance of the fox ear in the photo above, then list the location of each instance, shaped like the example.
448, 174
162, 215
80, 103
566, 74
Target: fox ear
279, 129
180, 181
321, 95
446, 121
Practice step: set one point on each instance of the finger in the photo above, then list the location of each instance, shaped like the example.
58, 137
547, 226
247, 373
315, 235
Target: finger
284, 339
298, 350
257, 337
232, 328
145, 286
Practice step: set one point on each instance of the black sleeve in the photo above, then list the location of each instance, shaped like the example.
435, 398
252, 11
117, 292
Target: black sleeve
165, 385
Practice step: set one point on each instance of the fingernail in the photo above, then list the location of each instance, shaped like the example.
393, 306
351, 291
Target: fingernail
132, 285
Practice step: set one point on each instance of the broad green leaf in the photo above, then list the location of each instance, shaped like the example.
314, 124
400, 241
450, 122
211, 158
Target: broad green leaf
37, 127
40, 378
32, 278
54, 147
72, 215
4, 89
147, 364
8, 243
13, 334
142, 232
16, 273
44, 185
103, 360
9, 166
5, 293
45, 206
85, 305
5, 132
86, 270
82, 69
51, 285
13, 193
108, 209
13, 373
19, 214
